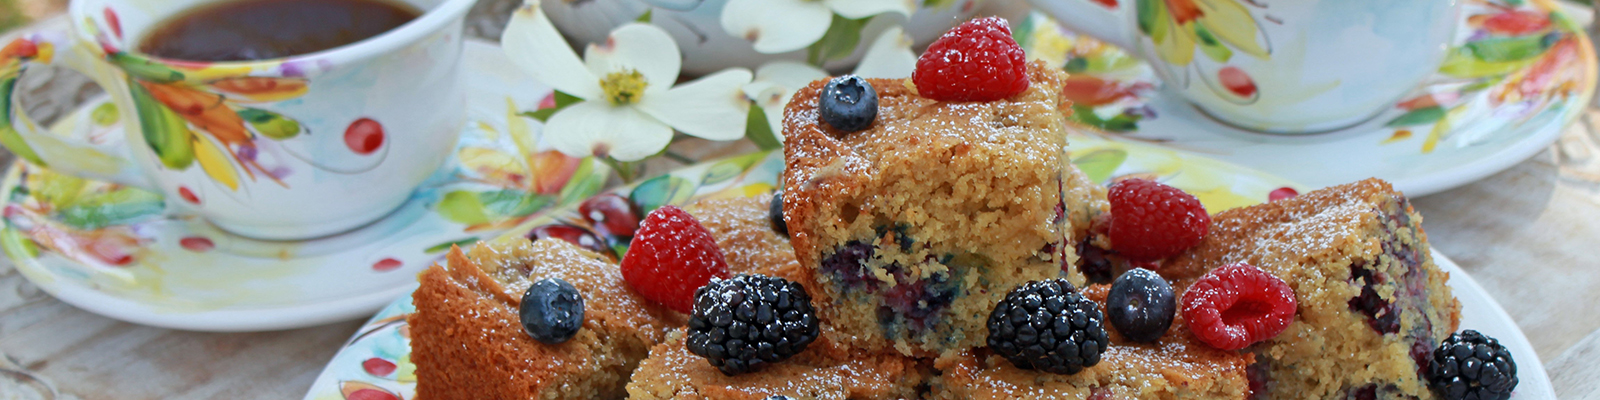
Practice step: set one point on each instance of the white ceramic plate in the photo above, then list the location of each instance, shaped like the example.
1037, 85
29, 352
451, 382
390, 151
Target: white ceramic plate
117, 252
1468, 121
376, 363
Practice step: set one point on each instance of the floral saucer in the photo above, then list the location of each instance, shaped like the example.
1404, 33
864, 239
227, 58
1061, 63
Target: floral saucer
117, 251
376, 363
1517, 74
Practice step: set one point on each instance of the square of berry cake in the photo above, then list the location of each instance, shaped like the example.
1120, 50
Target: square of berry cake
1371, 303
919, 224
468, 340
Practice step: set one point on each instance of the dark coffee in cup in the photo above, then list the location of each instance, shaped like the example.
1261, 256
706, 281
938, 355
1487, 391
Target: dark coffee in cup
244, 30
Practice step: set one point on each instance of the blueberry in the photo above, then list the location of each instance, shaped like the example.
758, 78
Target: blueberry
1141, 305
848, 103
552, 311
775, 214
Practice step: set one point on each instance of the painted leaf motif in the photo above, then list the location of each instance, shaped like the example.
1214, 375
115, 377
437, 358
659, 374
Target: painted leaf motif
357, 390
1209, 45
585, 182
660, 191
206, 111
1507, 49
1232, 23
1418, 116
511, 203
731, 168
1178, 49
99, 210
144, 69
8, 133
216, 163
446, 245
463, 207
1098, 165
55, 189
1151, 19
163, 129
262, 89
270, 124
1462, 63
17, 245
495, 167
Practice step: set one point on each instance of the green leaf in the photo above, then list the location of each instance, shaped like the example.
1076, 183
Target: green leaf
644, 18
1023, 33
441, 247
142, 68
463, 207
166, 133
58, 190
1147, 18
1417, 117
1462, 63
731, 168
1121, 123
585, 182
8, 132
1100, 164
99, 210
17, 245
758, 131
270, 124
562, 101
512, 203
105, 114
1210, 46
660, 191
1076, 65
1507, 49
839, 41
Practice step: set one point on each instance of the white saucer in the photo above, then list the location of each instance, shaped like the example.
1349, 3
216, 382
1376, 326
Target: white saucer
1484, 126
113, 250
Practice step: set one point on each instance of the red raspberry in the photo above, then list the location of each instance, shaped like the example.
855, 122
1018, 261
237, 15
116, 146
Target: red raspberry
1238, 305
977, 61
1152, 221
671, 256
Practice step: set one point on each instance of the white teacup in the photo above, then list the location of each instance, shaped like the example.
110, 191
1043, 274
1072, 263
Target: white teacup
287, 148
1283, 66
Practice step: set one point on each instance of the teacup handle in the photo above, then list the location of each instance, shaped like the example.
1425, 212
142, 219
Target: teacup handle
1107, 20
74, 154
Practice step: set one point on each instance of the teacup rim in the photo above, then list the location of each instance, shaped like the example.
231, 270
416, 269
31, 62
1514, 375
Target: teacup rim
428, 23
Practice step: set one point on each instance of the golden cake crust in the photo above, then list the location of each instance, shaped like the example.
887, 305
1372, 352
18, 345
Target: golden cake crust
825, 370
467, 340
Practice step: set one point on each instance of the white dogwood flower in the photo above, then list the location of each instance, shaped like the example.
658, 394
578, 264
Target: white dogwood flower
781, 26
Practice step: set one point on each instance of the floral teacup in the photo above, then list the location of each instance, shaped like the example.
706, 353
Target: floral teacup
1296, 67
289, 148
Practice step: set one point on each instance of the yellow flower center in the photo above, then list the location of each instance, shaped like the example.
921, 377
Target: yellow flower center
623, 87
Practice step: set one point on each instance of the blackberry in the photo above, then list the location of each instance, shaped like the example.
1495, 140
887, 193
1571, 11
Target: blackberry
1048, 326
551, 311
848, 103
748, 321
1470, 365
775, 214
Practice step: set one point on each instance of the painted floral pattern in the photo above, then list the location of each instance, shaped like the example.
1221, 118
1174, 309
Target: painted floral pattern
1109, 89
1217, 29
12, 58
1517, 57
376, 362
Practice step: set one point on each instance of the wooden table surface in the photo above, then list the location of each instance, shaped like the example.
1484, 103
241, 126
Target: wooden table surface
1530, 235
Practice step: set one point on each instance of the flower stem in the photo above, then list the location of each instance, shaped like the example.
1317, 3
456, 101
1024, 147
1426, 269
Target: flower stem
679, 158
626, 170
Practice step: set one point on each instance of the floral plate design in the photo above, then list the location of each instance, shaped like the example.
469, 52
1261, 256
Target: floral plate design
1518, 73
117, 251
375, 364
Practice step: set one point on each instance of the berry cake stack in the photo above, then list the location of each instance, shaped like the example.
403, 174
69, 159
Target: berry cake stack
918, 224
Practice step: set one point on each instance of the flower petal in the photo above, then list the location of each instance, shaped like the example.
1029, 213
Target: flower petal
1231, 22
889, 56
775, 83
534, 45
599, 128
777, 26
713, 107
855, 9
639, 47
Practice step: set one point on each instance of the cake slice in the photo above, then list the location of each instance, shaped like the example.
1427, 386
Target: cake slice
1372, 304
1178, 366
467, 340
918, 225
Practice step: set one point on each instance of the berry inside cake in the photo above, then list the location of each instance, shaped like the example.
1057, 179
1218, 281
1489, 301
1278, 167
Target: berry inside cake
918, 224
